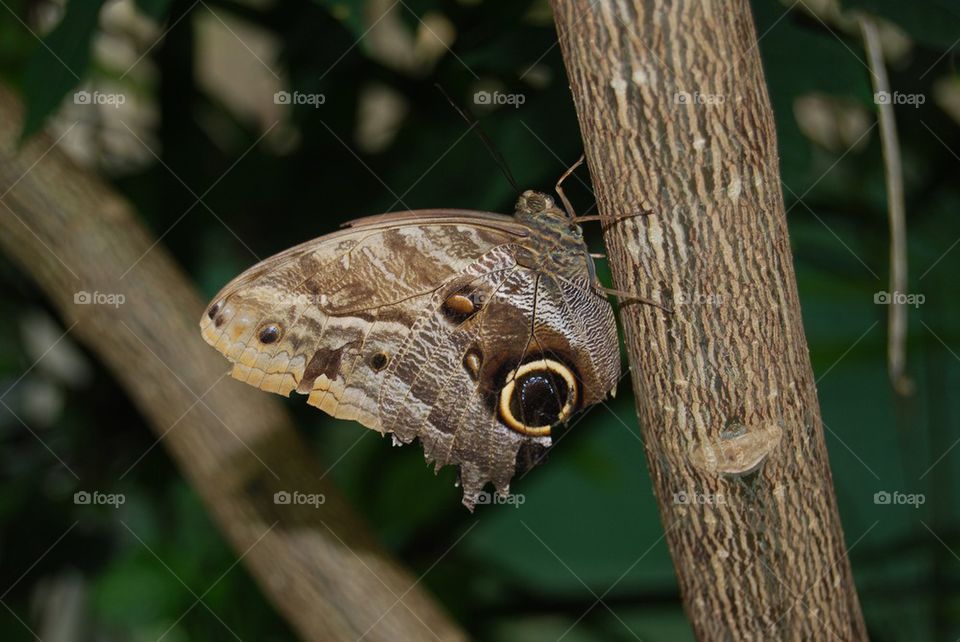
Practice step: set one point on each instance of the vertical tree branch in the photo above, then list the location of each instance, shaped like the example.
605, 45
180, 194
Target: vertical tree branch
893, 172
676, 120
320, 566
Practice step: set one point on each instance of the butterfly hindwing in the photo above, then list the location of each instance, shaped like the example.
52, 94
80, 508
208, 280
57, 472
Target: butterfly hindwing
444, 385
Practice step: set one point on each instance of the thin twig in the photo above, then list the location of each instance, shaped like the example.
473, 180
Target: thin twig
897, 312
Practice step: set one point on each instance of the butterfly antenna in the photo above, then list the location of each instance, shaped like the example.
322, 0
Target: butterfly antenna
475, 124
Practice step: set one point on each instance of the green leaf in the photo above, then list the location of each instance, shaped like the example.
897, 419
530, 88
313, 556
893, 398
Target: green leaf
58, 65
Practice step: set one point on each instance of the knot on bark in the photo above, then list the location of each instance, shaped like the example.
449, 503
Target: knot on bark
737, 450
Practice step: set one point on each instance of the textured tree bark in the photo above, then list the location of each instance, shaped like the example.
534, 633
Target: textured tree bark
321, 567
676, 121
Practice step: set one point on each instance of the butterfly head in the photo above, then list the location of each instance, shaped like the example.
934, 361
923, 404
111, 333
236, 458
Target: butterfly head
532, 202
542, 211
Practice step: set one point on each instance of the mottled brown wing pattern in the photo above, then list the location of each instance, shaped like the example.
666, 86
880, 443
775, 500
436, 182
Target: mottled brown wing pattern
328, 299
417, 324
589, 318
430, 391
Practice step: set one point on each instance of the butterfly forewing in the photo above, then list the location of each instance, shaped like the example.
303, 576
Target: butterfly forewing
322, 295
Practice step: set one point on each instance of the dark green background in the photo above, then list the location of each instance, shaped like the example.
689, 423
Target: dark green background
589, 514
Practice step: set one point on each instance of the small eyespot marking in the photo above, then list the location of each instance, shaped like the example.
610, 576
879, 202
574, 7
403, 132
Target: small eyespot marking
379, 361
459, 304
269, 333
472, 362
212, 312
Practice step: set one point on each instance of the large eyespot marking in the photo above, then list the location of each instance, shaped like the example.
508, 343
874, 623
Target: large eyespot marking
269, 333
537, 396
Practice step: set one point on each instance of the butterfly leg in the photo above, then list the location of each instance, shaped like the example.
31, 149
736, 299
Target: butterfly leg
609, 219
627, 297
593, 217
559, 189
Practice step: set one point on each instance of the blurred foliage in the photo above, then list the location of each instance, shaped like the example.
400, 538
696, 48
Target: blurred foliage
44, 83
271, 176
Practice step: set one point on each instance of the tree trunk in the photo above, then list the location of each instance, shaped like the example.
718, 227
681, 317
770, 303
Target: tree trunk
321, 567
676, 122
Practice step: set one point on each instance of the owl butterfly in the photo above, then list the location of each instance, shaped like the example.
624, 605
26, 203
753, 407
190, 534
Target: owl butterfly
476, 333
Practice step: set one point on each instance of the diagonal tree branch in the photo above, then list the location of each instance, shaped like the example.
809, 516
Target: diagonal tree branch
320, 566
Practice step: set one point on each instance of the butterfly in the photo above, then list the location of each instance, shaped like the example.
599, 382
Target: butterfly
476, 333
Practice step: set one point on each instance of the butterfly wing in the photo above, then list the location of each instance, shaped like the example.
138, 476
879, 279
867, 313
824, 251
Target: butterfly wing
445, 385
299, 320
408, 323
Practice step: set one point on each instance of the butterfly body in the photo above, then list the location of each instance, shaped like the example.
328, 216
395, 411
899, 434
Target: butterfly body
475, 332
